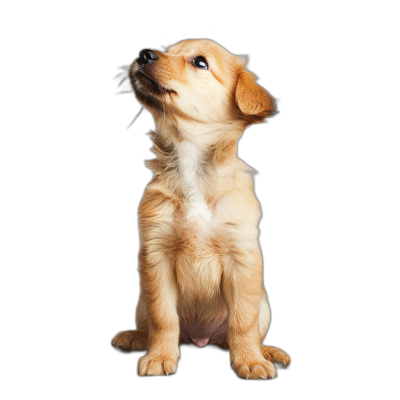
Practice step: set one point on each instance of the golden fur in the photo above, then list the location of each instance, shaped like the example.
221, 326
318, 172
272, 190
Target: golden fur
200, 260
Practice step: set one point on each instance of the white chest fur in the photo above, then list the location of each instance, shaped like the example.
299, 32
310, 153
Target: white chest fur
189, 159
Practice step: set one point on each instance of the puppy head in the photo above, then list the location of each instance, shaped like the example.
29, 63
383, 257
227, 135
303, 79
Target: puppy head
201, 81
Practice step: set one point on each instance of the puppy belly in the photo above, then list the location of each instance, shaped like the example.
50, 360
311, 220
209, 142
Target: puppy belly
203, 332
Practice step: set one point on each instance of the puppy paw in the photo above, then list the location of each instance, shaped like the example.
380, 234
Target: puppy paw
275, 355
257, 369
157, 365
131, 340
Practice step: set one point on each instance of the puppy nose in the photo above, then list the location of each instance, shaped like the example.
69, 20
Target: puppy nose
147, 56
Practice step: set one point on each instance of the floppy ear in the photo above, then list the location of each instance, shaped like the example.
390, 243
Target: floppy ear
252, 99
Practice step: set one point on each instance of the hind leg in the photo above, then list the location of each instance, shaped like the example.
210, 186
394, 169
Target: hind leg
135, 340
270, 353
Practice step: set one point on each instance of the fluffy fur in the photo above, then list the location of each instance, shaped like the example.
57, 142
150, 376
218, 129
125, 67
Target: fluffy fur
200, 261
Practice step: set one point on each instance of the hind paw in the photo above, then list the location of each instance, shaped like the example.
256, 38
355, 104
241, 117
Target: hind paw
131, 340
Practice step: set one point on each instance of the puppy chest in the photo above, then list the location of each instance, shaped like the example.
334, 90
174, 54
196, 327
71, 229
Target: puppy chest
197, 265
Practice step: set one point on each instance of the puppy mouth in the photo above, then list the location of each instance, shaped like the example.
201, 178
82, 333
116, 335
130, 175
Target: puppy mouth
149, 84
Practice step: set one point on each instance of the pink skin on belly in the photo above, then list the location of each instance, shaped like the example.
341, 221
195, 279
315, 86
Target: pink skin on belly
203, 332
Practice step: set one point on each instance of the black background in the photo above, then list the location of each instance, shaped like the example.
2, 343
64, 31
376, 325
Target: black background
105, 178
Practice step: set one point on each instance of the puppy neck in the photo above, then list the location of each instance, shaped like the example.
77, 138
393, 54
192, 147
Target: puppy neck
216, 142
192, 172
196, 160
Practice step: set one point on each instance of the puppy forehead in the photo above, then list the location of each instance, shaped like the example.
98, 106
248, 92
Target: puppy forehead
200, 47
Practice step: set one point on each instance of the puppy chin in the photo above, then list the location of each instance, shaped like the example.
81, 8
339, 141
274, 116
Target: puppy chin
150, 100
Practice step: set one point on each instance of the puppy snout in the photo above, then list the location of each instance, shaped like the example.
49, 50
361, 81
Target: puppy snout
147, 56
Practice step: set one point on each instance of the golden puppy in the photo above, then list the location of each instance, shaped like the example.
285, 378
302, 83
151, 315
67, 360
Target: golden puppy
200, 261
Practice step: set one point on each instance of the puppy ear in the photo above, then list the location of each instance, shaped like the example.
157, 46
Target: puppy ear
252, 99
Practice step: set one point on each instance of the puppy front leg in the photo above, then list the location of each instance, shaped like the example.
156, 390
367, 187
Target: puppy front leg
242, 288
160, 294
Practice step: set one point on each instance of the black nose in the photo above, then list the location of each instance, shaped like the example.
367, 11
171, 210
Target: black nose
147, 56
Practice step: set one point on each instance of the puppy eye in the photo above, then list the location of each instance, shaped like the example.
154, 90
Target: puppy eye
200, 62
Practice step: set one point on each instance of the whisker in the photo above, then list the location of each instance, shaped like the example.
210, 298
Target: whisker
124, 67
197, 120
212, 33
125, 91
122, 73
134, 119
122, 81
123, 76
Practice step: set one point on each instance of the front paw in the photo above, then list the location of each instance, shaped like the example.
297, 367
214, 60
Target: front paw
157, 365
255, 369
275, 355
